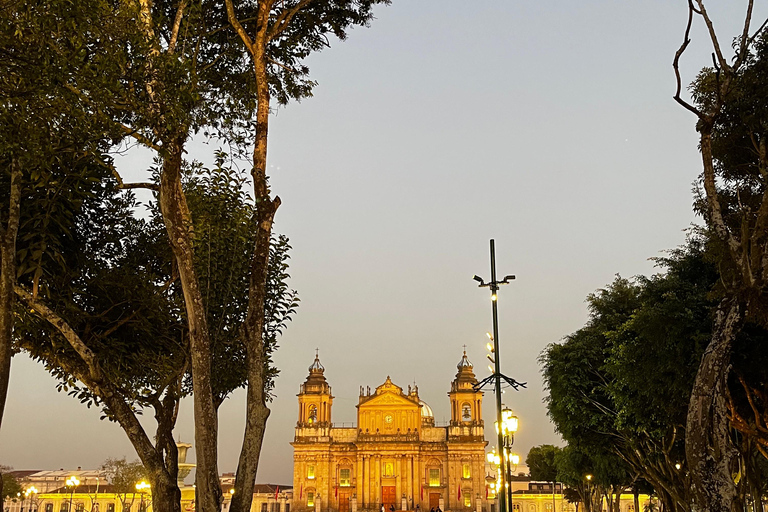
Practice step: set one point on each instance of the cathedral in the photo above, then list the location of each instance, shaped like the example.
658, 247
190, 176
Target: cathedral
396, 456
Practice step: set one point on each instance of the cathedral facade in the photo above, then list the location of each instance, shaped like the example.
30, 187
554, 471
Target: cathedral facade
396, 456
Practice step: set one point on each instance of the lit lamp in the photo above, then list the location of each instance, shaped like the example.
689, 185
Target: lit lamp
29, 494
72, 483
142, 487
507, 430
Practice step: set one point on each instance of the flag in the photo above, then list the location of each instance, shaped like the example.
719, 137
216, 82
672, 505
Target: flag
277, 490
459, 494
337, 490
422, 493
301, 491
486, 492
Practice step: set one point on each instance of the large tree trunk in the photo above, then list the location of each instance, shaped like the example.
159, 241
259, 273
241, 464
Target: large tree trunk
257, 412
707, 443
178, 221
8, 235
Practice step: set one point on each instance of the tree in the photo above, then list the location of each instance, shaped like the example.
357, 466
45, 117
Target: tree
624, 380
123, 477
734, 203
542, 463
9, 486
177, 70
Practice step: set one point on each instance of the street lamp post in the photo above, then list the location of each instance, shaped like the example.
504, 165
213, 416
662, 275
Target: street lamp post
30, 495
142, 488
497, 376
72, 483
509, 424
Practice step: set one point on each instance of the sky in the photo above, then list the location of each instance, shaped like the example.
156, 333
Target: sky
548, 126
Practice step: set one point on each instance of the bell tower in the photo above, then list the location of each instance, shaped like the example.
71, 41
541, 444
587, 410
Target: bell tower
466, 402
315, 399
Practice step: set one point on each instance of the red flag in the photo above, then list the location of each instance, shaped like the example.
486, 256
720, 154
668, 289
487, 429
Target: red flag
422, 493
277, 490
459, 493
301, 491
337, 490
486, 492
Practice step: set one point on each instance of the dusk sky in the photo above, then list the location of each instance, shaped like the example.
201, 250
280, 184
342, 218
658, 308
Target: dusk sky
548, 126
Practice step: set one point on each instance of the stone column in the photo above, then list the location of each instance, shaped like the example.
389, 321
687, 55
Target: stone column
366, 480
377, 478
359, 476
399, 479
409, 480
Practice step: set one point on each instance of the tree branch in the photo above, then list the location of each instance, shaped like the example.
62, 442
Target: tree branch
85, 353
232, 17
176, 26
676, 63
282, 21
713, 37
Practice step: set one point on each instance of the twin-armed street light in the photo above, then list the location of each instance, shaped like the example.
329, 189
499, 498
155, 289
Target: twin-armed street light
496, 377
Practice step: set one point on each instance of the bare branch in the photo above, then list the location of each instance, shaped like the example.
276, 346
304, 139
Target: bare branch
676, 63
176, 26
744, 40
712, 35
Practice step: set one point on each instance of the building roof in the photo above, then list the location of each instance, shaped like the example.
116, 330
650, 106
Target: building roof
85, 489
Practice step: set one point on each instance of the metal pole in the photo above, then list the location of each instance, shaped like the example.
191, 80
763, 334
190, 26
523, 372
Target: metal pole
494, 294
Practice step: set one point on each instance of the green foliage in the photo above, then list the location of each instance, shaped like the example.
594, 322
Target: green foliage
224, 228
111, 286
123, 476
11, 487
541, 462
619, 387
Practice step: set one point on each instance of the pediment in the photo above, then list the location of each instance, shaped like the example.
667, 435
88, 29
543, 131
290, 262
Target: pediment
388, 399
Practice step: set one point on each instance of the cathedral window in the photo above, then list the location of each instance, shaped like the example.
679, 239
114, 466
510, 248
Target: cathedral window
263, 507
434, 478
344, 477
388, 469
110, 507
310, 499
49, 507
466, 471
466, 412
313, 414
467, 500
311, 472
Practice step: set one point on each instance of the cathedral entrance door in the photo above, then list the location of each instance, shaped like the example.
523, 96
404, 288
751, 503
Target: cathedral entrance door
434, 500
388, 497
343, 502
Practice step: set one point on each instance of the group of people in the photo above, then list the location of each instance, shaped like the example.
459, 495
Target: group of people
418, 508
